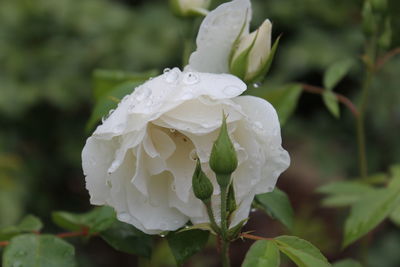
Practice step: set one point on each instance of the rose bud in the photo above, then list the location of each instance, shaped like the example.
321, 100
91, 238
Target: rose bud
223, 159
249, 57
189, 8
202, 187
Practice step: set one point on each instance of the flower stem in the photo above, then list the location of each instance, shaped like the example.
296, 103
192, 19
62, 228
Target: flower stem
225, 254
210, 213
224, 228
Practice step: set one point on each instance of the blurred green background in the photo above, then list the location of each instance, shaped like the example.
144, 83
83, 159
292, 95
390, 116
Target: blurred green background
49, 50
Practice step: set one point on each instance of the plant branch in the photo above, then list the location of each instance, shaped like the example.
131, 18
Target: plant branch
341, 98
254, 237
386, 57
83, 232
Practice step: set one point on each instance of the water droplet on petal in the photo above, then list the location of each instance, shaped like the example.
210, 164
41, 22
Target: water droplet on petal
172, 130
253, 210
125, 217
143, 93
193, 155
190, 78
187, 95
171, 75
149, 103
166, 70
232, 90
162, 235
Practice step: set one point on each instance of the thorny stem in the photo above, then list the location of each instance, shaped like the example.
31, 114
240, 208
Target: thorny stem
210, 213
224, 228
254, 237
341, 98
83, 232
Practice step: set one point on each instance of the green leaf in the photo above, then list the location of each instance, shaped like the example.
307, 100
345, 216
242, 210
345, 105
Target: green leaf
105, 81
284, 100
29, 223
185, 244
347, 263
331, 103
302, 252
126, 238
368, 212
31, 250
277, 204
109, 101
336, 72
395, 216
96, 220
343, 193
263, 253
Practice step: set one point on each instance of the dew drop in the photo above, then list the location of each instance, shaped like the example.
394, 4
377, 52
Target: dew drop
186, 96
172, 130
125, 217
253, 210
149, 103
193, 155
186, 227
190, 78
232, 90
21, 253
171, 75
143, 93
256, 85
162, 235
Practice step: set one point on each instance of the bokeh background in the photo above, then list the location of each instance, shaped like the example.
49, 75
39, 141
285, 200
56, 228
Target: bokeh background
49, 50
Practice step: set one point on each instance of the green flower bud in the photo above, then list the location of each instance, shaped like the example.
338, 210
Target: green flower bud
251, 53
369, 23
223, 160
202, 187
189, 8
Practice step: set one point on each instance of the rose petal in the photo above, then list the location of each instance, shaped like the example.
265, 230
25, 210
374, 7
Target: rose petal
96, 157
154, 212
217, 33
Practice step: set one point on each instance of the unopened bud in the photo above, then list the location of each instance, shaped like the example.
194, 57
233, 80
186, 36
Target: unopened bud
223, 160
250, 54
202, 187
189, 8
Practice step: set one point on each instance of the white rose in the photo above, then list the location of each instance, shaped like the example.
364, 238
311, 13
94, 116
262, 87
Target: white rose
140, 161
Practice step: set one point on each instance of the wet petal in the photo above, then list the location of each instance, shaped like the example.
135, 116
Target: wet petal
217, 33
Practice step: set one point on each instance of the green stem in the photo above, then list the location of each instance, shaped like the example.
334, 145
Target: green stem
224, 227
224, 193
210, 213
370, 63
225, 254
361, 130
